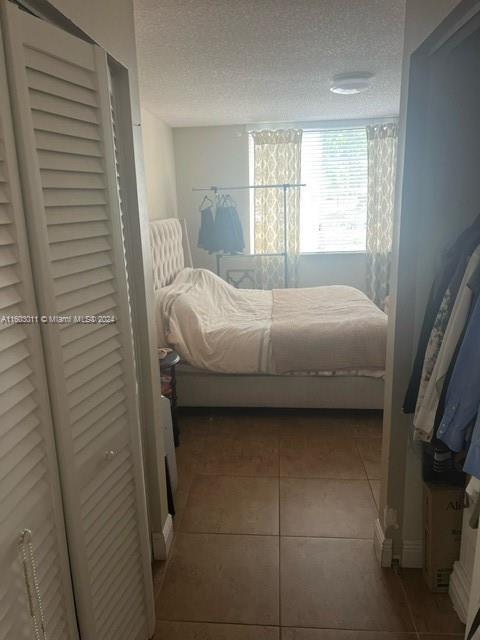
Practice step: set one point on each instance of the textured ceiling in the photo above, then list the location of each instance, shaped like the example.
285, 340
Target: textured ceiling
218, 62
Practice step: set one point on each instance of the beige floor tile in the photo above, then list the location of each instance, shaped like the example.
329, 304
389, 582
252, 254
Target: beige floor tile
432, 612
370, 450
158, 573
337, 584
368, 424
441, 636
320, 457
311, 429
332, 634
247, 449
375, 486
209, 631
221, 578
229, 504
327, 508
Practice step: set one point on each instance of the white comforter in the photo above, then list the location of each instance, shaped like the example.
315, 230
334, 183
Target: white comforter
216, 327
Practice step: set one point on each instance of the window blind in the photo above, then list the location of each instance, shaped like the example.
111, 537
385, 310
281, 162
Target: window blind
333, 205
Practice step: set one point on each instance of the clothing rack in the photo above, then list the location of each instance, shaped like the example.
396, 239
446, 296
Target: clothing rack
285, 186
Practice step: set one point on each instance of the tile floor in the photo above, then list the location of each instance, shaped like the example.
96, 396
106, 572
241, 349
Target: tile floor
273, 535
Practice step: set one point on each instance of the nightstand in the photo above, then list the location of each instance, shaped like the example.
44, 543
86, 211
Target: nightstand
169, 388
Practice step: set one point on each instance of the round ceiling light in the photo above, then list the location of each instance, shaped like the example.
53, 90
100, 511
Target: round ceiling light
351, 83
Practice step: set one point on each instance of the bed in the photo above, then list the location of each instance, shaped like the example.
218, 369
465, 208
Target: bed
253, 348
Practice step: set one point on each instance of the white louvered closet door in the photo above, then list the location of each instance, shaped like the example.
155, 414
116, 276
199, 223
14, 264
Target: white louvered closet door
29, 486
59, 87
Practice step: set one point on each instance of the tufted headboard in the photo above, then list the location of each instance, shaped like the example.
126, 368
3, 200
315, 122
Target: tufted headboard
170, 250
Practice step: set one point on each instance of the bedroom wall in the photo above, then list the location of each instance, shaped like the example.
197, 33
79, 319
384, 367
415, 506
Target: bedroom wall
207, 156
159, 167
219, 155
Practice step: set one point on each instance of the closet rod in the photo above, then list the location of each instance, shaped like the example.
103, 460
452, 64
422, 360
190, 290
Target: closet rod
251, 186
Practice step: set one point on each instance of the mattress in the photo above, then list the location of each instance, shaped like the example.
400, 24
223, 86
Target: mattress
217, 328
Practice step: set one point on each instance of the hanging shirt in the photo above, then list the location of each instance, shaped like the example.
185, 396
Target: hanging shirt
228, 230
463, 393
454, 262
441, 350
207, 236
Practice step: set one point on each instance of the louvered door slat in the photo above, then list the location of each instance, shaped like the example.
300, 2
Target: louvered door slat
69, 162
43, 121
56, 67
65, 128
56, 86
67, 145
80, 248
74, 231
29, 488
71, 180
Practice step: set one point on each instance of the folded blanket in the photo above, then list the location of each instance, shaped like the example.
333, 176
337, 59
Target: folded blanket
326, 328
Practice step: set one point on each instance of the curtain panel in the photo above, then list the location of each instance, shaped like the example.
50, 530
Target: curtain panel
277, 160
382, 155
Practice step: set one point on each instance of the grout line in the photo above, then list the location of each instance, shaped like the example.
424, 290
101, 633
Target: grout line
373, 494
220, 622
409, 607
378, 632
284, 477
271, 535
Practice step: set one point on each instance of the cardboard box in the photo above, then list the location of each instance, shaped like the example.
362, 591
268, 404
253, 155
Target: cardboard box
442, 518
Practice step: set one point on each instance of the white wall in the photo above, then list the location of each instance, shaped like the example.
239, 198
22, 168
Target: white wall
401, 460
207, 156
159, 167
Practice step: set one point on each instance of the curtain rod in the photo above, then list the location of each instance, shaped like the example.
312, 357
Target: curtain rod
251, 186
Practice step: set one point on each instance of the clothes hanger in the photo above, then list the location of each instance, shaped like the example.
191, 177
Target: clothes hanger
206, 203
230, 201
221, 200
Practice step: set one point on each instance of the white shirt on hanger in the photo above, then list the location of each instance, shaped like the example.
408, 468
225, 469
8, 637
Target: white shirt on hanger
425, 413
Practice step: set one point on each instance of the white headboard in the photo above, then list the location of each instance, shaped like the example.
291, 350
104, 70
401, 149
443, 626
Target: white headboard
170, 250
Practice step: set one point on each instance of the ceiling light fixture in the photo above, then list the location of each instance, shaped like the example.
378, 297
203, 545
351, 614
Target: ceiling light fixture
351, 83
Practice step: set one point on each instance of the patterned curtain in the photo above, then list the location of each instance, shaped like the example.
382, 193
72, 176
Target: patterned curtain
277, 160
382, 152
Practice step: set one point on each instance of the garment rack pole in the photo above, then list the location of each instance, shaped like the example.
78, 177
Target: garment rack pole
285, 187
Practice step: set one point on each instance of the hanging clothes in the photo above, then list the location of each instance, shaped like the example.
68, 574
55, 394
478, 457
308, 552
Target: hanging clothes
454, 262
472, 461
441, 349
463, 393
228, 228
206, 235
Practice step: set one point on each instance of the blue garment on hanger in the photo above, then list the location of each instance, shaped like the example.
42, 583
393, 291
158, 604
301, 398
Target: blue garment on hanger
463, 393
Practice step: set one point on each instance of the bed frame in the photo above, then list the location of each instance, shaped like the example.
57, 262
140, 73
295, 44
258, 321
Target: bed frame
197, 388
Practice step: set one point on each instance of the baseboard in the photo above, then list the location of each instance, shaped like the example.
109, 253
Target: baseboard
162, 541
412, 554
458, 590
382, 546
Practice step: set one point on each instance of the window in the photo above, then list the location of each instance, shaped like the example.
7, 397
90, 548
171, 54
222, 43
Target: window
333, 205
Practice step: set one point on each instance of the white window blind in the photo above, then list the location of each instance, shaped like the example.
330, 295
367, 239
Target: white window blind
333, 205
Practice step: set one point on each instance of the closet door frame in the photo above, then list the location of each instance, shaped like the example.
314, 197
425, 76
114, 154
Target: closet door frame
140, 274
140, 271
407, 301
